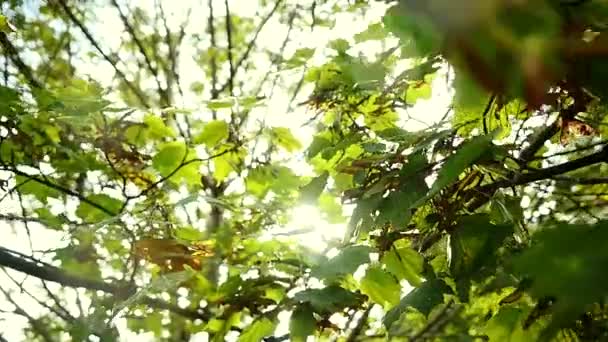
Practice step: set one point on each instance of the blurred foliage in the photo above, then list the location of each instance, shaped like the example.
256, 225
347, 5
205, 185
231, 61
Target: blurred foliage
171, 196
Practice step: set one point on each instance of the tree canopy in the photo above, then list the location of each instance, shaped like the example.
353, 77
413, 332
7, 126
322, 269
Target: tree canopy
153, 155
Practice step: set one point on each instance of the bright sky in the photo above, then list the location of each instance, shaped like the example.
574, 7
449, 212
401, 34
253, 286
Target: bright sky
275, 113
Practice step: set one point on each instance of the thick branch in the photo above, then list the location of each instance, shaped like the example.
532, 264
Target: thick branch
484, 193
10, 259
538, 141
229, 39
550, 172
14, 261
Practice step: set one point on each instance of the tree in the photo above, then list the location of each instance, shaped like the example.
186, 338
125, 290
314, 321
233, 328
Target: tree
488, 224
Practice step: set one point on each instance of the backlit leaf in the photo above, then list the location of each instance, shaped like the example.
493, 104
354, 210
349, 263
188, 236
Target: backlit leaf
258, 330
328, 299
381, 287
423, 299
284, 138
346, 262
213, 133
94, 213
302, 323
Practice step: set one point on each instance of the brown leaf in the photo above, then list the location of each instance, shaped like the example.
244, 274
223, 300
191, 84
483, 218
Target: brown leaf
171, 255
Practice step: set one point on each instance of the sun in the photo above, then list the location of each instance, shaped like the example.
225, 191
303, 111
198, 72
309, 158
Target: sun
309, 229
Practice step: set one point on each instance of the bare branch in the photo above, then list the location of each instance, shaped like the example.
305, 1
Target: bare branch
138, 93
142, 50
252, 42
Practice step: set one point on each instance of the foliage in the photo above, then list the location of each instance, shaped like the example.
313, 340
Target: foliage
170, 192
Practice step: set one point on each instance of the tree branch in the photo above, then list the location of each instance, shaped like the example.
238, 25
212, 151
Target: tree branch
213, 62
38, 269
538, 141
354, 334
229, 39
64, 190
142, 50
13, 54
252, 42
10, 259
138, 93
485, 192
552, 171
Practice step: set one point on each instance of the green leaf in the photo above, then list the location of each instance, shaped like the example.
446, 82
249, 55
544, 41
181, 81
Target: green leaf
465, 156
506, 209
302, 323
470, 100
381, 287
258, 330
310, 192
153, 323
474, 246
422, 91
474, 243
213, 133
173, 155
507, 325
365, 75
346, 262
331, 209
50, 220
319, 143
300, 57
328, 299
91, 214
169, 157
220, 104
10, 101
5, 25
157, 128
226, 163
27, 185
423, 299
404, 263
80, 98
567, 262
340, 45
189, 234
283, 137
279, 179
415, 30
374, 31
396, 207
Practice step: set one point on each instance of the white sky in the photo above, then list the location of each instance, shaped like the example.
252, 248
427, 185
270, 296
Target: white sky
109, 32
